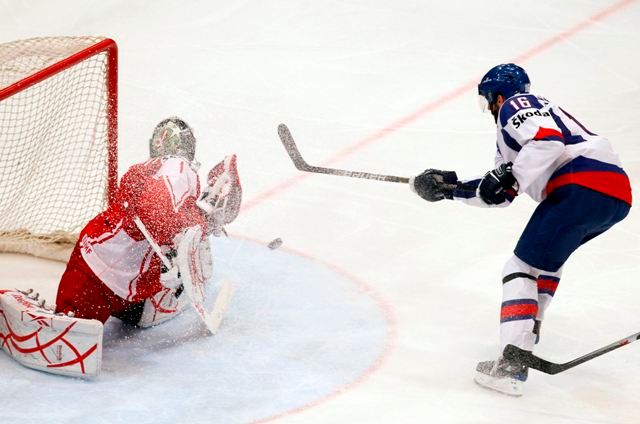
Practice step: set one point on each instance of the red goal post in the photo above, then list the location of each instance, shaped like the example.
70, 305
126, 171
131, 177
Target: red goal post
58, 140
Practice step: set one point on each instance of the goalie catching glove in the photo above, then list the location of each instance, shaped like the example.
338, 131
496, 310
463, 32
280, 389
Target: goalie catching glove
221, 199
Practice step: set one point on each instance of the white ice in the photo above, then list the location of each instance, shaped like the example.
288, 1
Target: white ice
411, 289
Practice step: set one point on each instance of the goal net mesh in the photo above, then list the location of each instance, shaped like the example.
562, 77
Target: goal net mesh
54, 142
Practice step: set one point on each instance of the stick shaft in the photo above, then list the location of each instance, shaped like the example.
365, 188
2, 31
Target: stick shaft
292, 150
152, 242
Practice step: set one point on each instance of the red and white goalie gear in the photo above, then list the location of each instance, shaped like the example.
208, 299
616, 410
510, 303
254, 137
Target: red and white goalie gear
164, 305
193, 260
205, 258
192, 254
162, 193
222, 197
170, 278
190, 257
38, 338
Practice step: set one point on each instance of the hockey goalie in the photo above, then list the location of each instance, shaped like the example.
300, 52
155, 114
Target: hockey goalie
113, 270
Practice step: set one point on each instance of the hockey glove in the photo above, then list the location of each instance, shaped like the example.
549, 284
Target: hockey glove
170, 277
221, 199
492, 188
433, 185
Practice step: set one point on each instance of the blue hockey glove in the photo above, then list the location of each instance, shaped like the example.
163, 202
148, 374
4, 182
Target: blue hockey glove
492, 188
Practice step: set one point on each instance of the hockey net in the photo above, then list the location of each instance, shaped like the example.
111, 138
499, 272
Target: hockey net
58, 126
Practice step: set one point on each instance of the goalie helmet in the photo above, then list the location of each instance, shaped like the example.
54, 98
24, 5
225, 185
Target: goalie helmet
174, 137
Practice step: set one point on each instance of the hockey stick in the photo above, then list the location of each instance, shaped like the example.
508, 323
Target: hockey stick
220, 305
211, 319
527, 358
292, 150
143, 229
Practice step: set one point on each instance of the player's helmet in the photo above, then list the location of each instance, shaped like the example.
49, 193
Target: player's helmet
507, 79
174, 137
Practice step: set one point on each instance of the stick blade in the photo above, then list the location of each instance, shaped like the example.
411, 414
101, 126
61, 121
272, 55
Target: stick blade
290, 146
293, 152
525, 357
220, 305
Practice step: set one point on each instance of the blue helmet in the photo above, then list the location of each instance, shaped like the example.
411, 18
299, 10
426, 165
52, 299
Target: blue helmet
507, 79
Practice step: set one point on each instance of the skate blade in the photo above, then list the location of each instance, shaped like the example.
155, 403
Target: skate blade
507, 386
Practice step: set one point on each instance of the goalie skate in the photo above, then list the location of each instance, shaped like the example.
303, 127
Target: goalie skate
39, 339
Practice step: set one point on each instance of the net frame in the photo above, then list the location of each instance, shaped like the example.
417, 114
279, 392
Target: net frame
58, 244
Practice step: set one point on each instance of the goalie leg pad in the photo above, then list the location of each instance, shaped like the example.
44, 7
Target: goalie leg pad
190, 262
55, 343
205, 259
164, 305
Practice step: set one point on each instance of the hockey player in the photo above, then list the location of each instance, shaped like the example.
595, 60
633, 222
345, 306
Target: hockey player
581, 188
113, 270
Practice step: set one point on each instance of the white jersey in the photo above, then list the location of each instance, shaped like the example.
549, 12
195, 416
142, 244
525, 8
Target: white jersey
549, 148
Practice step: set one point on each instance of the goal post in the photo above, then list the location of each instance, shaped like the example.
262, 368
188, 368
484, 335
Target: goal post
58, 140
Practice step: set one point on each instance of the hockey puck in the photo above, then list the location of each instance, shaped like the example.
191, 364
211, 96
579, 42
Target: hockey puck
275, 243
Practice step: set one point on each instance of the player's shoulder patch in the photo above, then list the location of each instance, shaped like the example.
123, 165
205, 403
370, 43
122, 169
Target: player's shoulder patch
518, 104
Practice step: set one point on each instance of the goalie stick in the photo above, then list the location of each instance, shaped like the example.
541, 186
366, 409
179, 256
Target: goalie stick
527, 358
211, 319
292, 150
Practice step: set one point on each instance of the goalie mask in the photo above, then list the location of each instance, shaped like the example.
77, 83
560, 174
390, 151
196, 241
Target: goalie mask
173, 137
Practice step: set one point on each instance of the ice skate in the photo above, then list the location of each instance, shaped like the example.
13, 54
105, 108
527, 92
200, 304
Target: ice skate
501, 375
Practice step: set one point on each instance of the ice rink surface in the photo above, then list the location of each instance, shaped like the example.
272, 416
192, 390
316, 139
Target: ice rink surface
412, 289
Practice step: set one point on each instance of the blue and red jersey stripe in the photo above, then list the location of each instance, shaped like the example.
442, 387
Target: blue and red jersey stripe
593, 174
548, 134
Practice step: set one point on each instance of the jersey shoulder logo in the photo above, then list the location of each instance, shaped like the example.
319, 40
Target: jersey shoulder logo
519, 118
518, 108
